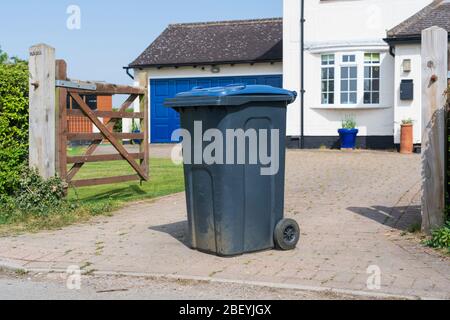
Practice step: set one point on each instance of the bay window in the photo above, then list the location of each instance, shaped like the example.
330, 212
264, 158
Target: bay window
350, 79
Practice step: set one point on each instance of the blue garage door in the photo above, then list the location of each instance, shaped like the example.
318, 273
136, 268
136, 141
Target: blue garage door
165, 121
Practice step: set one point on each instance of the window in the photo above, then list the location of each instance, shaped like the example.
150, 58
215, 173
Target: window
349, 58
349, 80
328, 61
91, 101
371, 78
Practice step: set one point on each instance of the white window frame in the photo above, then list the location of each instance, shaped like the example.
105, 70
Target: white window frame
328, 80
348, 92
371, 79
360, 64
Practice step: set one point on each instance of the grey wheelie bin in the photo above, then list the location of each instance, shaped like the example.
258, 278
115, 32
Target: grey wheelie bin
234, 164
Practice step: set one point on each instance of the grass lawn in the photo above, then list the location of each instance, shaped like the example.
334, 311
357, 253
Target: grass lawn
165, 178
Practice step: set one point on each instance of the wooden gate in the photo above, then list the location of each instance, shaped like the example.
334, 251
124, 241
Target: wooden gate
138, 161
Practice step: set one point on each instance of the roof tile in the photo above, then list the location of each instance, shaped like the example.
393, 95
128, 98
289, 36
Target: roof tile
215, 42
435, 14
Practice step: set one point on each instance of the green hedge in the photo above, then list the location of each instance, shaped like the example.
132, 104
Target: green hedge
13, 122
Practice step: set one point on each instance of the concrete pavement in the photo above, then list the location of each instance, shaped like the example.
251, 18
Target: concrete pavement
354, 210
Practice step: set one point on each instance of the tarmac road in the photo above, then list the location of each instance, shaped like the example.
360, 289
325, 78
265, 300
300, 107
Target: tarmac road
54, 287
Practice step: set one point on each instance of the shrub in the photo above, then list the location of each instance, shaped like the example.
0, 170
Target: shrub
34, 197
7, 209
3, 56
38, 196
13, 122
440, 238
118, 127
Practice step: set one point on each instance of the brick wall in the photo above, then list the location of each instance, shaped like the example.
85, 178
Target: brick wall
83, 124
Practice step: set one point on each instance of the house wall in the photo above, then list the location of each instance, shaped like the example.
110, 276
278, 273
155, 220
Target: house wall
225, 71
291, 59
352, 27
350, 20
408, 109
199, 72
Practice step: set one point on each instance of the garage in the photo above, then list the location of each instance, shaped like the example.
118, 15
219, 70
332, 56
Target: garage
165, 121
207, 54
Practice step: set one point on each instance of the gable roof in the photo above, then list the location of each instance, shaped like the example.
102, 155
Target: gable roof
241, 41
435, 14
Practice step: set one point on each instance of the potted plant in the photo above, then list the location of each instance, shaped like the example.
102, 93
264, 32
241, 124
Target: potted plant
348, 133
136, 129
407, 136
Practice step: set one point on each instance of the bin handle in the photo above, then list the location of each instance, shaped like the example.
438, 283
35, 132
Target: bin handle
238, 86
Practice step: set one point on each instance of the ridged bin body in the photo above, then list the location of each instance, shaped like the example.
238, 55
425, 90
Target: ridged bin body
233, 209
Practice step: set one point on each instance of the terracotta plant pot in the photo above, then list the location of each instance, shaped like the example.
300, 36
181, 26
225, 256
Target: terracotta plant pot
407, 139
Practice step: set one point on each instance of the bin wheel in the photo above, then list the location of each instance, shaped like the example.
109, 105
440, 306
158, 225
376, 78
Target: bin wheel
287, 234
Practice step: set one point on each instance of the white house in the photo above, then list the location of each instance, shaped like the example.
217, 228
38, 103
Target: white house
348, 69
405, 43
358, 55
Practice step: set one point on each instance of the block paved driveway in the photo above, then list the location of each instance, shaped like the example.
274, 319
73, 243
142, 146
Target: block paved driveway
353, 209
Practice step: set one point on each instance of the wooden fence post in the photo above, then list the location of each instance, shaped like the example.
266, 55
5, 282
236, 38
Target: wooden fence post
42, 135
144, 125
434, 85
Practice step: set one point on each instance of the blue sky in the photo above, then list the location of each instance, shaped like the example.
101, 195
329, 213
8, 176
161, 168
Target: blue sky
112, 33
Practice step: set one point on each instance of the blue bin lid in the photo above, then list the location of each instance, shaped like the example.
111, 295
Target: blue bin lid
233, 95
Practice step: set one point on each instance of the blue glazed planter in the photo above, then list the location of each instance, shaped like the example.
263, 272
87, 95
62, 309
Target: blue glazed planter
348, 138
137, 141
